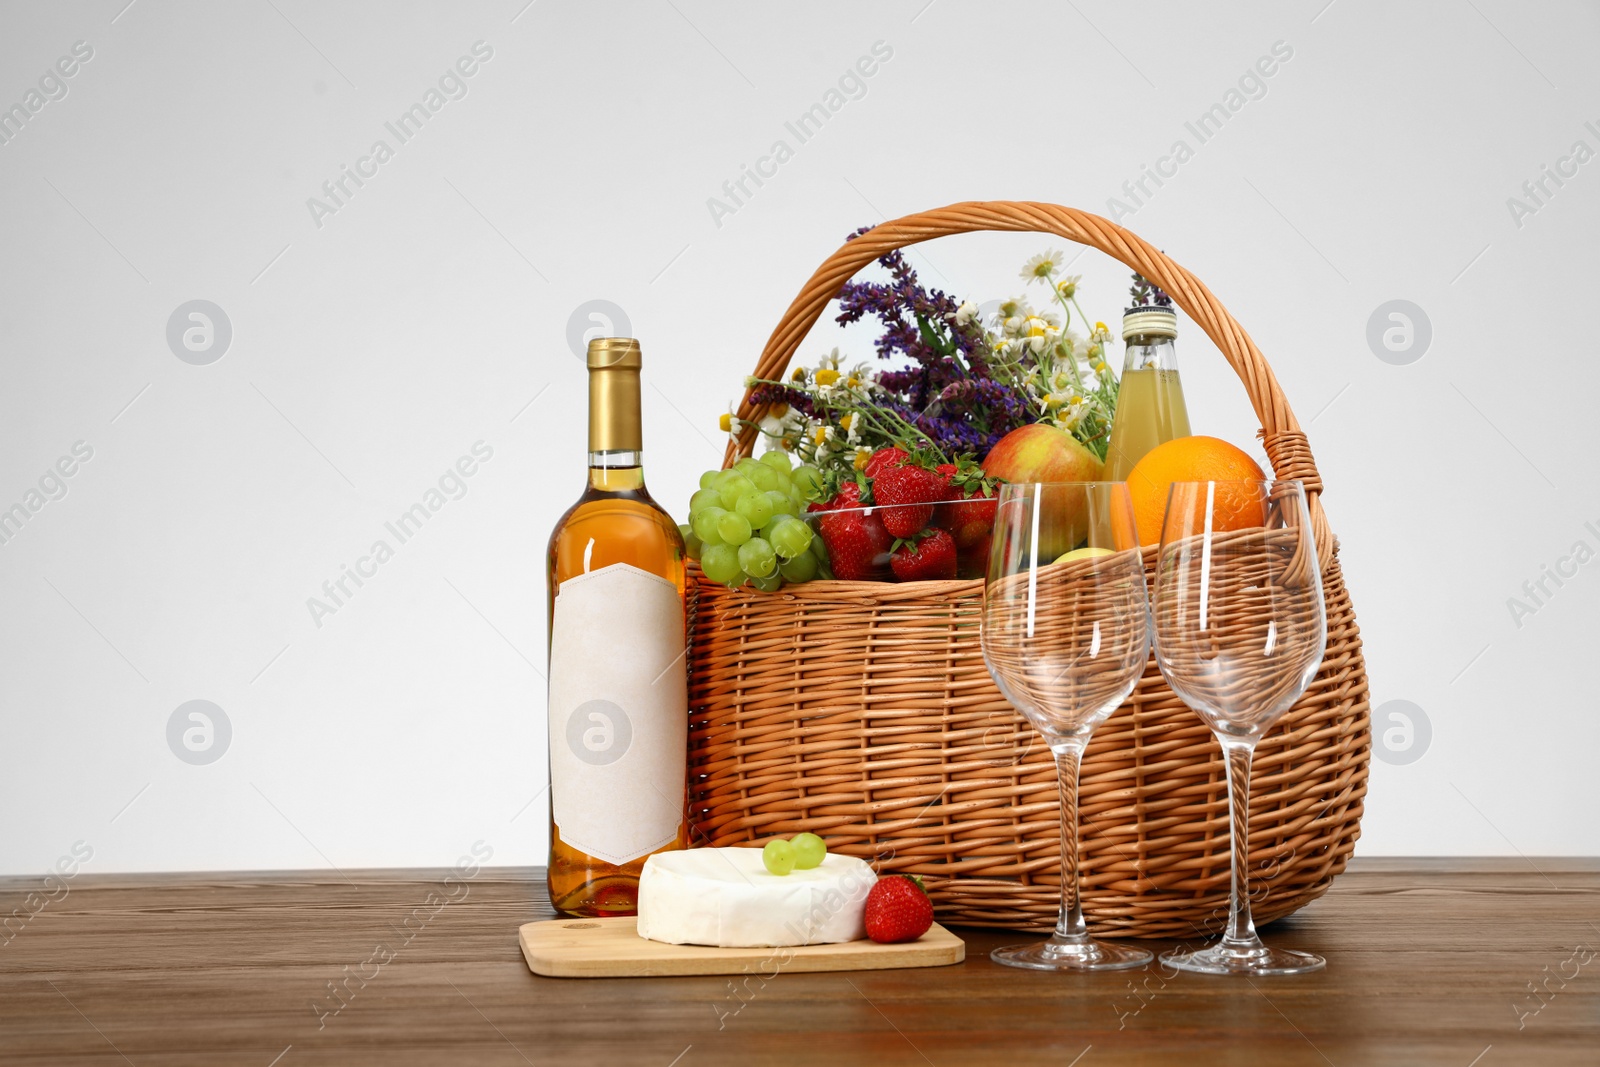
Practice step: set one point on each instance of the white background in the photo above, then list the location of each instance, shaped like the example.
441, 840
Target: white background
431, 312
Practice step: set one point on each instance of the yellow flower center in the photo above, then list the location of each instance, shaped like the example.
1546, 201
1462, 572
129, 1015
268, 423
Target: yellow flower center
726, 422
827, 376
862, 456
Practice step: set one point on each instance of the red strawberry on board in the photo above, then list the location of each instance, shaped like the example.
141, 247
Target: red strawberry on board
907, 493
882, 459
931, 557
857, 544
897, 910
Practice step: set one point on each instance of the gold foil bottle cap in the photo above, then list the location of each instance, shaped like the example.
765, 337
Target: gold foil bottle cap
614, 395
616, 352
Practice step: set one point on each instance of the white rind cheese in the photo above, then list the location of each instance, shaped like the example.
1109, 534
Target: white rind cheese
727, 898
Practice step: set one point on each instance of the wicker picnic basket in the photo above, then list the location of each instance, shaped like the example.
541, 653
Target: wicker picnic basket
862, 711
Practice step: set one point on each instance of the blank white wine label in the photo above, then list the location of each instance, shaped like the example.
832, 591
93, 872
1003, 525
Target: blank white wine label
619, 713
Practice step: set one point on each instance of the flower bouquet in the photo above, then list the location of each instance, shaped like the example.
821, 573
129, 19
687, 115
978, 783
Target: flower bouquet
898, 457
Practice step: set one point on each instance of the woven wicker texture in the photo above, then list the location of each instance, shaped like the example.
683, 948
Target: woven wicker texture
863, 711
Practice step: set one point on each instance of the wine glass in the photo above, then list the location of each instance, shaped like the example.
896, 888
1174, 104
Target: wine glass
1066, 635
1240, 630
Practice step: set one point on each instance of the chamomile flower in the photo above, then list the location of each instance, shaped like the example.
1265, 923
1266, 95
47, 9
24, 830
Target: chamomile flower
1068, 287
775, 423
965, 313
1042, 266
730, 424
862, 457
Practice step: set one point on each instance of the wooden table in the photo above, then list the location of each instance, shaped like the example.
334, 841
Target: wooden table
1430, 962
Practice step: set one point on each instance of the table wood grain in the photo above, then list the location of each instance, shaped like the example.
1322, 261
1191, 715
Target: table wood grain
1430, 962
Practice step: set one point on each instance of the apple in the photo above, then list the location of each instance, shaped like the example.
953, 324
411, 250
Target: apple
1042, 453
1086, 552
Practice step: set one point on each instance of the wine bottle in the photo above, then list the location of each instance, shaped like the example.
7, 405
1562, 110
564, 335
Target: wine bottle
1150, 407
618, 697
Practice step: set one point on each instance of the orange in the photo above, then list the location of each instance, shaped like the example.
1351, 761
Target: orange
1195, 459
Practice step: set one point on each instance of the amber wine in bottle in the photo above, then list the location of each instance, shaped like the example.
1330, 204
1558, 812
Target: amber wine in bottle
618, 708
1150, 407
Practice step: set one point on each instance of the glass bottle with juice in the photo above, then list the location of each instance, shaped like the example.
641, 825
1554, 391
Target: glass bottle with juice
1150, 407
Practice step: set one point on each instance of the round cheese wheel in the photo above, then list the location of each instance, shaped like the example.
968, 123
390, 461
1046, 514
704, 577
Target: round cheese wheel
727, 898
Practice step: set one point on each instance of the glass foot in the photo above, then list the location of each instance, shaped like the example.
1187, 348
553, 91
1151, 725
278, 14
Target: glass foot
1257, 959
1058, 954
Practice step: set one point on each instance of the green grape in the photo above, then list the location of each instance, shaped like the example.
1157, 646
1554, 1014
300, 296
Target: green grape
763, 476
691, 543
721, 564
785, 481
802, 568
708, 479
809, 851
809, 481
781, 504
734, 527
770, 584
702, 499
736, 487
756, 509
777, 459
757, 558
820, 550
704, 524
745, 465
790, 539
778, 856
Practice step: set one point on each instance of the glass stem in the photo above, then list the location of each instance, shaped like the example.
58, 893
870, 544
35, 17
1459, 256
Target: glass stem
1241, 932
1070, 926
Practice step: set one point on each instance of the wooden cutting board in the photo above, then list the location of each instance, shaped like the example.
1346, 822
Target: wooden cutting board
612, 948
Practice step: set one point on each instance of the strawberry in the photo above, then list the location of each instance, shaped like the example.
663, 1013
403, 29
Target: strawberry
848, 496
969, 519
857, 544
884, 458
970, 502
908, 494
898, 909
929, 557
973, 561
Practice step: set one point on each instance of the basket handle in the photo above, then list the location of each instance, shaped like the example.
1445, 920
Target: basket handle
1280, 432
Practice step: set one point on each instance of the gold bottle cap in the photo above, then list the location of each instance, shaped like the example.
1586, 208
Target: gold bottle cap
1149, 322
614, 395
613, 352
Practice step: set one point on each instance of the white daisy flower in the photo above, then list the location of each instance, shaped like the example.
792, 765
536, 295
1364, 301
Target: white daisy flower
1042, 266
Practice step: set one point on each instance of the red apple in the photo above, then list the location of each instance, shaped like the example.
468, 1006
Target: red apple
1042, 453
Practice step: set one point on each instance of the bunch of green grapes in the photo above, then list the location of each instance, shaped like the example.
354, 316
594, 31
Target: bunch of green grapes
743, 524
